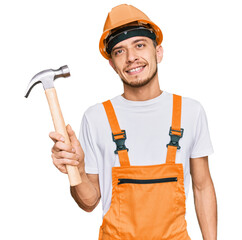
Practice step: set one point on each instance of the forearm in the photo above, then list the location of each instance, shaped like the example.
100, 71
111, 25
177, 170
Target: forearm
206, 209
85, 194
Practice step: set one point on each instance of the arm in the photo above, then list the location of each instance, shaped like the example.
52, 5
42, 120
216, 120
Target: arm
204, 197
86, 194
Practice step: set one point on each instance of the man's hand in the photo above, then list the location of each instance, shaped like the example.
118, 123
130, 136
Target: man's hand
64, 154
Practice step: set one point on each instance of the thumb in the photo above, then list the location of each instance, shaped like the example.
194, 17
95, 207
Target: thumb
72, 135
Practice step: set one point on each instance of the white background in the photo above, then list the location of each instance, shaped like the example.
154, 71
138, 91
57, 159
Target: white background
202, 60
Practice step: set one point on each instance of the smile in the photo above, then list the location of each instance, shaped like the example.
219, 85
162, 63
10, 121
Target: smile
135, 70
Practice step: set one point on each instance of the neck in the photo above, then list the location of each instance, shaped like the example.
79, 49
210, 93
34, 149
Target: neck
149, 91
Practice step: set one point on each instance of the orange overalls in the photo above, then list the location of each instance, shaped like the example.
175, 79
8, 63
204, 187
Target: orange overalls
148, 202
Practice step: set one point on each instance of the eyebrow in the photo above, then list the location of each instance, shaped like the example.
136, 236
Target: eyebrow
135, 41
139, 40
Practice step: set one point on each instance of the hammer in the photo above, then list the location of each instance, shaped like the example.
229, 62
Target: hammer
47, 78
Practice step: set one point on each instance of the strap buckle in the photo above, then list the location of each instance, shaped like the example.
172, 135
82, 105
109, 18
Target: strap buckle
120, 142
175, 138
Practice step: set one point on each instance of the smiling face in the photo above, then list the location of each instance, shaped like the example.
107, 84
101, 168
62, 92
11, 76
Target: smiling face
135, 60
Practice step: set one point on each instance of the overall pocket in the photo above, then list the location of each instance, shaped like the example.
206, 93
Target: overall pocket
147, 207
146, 181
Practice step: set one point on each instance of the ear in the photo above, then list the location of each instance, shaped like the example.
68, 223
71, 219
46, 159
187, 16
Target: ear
159, 53
112, 64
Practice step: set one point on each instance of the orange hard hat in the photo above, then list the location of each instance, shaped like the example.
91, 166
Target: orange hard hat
121, 15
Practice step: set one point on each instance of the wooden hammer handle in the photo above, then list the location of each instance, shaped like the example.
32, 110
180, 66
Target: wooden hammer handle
60, 127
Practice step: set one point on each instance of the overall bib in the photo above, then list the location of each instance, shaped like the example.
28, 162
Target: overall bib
148, 202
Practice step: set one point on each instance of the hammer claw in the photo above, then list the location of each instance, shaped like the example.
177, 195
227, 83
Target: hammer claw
47, 78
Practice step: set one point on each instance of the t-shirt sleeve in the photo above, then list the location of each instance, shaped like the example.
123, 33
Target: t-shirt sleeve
202, 142
88, 146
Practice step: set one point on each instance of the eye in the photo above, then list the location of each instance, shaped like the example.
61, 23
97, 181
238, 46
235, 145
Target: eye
140, 45
118, 52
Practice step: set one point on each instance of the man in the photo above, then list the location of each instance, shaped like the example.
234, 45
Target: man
144, 179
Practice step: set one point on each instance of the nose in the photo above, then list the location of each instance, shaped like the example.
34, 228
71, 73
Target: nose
131, 55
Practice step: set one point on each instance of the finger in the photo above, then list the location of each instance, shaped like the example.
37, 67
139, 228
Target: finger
62, 168
68, 155
56, 137
59, 166
64, 161
60, 146
72, 135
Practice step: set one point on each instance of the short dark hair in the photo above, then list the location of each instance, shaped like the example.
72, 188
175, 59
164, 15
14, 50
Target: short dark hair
154, 43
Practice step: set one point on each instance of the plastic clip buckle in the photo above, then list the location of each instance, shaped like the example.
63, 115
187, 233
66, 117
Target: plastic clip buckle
120, 142
175, 138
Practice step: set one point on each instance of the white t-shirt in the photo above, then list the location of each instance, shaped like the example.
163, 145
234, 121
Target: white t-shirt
147, 125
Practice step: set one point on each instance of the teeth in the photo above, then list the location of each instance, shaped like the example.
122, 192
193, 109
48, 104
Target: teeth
135, 69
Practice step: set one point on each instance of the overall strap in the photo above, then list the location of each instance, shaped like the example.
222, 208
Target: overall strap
176, 132
119, 135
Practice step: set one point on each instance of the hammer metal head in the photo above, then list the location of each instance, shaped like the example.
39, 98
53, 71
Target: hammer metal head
47, 78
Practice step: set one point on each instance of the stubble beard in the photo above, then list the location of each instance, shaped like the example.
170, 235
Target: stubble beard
138, 84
